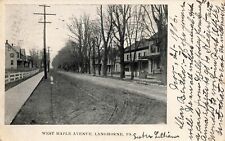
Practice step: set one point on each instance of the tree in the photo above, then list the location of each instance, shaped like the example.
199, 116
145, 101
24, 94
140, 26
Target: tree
106, 30
81, 32
113, 53
159, 14
93, 56
67, 58
135, 30
120, 17
96, 39
35, 59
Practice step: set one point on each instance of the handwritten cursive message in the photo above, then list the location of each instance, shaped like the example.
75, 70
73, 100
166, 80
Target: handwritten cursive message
197, 53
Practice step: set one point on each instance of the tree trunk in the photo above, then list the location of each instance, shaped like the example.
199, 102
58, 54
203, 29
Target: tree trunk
99, 65
99, 68
162, 38
99, 62
89, 61
93, 61
105, 59
122, 64
132, 70
89, 66
163, 58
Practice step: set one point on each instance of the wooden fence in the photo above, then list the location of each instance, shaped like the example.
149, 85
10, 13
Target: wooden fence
12, 77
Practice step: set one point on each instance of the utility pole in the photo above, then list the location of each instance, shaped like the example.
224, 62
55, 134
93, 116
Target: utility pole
48, 59
44, 37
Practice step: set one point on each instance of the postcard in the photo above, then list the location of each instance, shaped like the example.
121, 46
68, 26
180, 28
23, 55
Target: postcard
112, 70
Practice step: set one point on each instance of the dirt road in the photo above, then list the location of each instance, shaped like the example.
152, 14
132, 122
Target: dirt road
77, 101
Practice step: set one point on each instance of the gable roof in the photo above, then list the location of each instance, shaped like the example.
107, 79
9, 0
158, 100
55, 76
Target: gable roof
11, 46
143, 44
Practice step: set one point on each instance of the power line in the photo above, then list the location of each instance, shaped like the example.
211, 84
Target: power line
44, 37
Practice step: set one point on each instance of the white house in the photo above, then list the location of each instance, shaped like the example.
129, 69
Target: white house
147, 57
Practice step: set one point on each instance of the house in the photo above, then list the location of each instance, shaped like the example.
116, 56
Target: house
15, 57
147, 58
21, 62
111, 60
11, 56
28, 62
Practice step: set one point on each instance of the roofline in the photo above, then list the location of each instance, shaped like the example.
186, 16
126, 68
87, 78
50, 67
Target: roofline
12, 47
138, 49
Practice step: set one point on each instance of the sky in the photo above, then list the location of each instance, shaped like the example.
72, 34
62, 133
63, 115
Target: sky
22, 27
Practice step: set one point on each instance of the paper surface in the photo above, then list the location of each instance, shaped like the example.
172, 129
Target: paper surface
195, 81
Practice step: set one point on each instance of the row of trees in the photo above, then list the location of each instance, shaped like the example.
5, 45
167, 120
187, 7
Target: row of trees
36, 57
115, 27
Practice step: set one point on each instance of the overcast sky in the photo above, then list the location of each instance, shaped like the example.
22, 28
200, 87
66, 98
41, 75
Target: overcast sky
22, 27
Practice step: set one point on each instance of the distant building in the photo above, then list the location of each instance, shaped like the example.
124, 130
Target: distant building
111, 61
29, 62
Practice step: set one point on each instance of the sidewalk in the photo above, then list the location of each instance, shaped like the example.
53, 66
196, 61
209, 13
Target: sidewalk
17, 96
146, 81
153, 91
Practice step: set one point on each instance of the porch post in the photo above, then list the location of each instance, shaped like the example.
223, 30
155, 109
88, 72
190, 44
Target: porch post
149, 66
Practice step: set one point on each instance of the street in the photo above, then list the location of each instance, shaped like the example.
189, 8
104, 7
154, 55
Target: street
74, 100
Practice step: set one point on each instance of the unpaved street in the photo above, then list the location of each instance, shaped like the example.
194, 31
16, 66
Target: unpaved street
72, 100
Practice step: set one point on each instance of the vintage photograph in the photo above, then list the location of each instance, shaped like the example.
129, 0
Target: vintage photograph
85, 64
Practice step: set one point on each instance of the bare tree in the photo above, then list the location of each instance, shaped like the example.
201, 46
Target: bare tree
67, 57
112, 55
93, 57
106, 30
99, 55
90, 48
120, 18
77, 33
135, 30
34, 57
148, 21
159, 14
86, 43
81, 32
96, 39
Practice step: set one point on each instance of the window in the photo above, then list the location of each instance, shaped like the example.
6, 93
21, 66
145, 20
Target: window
158, 50
11, 62
144, 53
12, 55
127, 56
139, 54
153, 49
18, 55
157, 63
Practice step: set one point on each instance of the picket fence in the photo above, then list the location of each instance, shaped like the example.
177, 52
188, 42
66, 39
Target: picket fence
12, 77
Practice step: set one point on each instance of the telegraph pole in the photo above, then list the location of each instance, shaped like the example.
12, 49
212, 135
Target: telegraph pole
44, 37
48, 59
